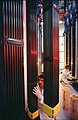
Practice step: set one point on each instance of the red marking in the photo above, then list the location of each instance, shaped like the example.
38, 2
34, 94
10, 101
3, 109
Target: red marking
33, 52
56, 58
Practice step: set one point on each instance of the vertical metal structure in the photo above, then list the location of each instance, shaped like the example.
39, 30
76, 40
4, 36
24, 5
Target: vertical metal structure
32, 57
73, 50
67, 49
51, 53
70, 47
76, 52
25, 52
2, 85
73, 46
77, 41
40, 52
70, 25
11, 60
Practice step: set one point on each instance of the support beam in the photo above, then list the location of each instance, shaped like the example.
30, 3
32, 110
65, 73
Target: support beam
67, 47
32, 57
73, 45
51, 54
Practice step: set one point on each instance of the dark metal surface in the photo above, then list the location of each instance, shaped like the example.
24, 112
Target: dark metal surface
32, 60
73, 47
70, 48
11, 61
67, 49
51, 54
13, 19
13, 78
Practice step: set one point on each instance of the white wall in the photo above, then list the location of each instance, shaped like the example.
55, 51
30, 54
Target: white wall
61, 46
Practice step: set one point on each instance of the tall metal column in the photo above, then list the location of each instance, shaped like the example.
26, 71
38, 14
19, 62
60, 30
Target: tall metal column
73, 47
70, 47
76, 51
51, 55
32, 57
2, 86
67, 49
76, 60
11, 61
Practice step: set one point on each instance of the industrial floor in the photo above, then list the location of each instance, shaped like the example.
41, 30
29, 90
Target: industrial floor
64, 114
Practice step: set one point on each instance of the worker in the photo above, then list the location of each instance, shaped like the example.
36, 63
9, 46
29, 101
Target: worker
66, 74
39, 92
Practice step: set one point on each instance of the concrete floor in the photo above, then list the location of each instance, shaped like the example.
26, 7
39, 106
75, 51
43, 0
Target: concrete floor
64, 114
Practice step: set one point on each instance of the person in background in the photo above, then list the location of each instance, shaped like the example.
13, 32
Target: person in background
41, 81
66, 74
38, 91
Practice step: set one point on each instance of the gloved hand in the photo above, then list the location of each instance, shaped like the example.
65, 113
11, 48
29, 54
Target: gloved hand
36, 91
70, 72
